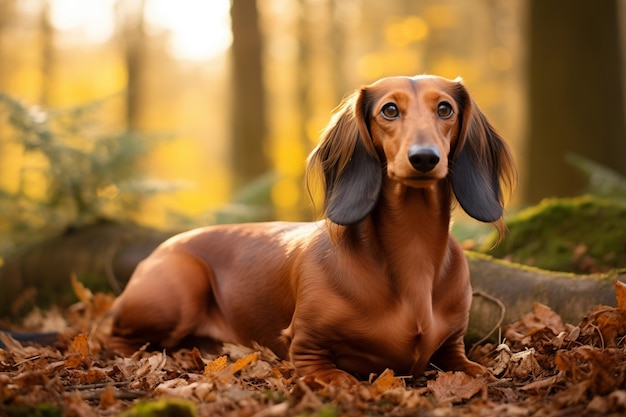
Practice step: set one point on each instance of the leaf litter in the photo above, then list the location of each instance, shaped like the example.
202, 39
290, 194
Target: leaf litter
543, 367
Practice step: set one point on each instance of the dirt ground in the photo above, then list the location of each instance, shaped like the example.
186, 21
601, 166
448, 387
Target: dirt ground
542, 367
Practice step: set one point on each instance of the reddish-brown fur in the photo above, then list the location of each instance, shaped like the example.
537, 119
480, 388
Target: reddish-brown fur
379, 284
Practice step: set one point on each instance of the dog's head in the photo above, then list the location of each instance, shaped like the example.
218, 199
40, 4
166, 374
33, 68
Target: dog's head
416, 131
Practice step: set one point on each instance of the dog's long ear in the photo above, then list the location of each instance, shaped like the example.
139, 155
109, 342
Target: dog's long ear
351, 171
480, 161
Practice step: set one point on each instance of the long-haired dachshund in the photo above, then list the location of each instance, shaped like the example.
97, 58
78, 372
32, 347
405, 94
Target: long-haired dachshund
380, 284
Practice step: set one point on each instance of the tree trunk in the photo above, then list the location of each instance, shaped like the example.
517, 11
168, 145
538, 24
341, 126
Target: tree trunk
576, 102
248, 112
47, 54
132, 22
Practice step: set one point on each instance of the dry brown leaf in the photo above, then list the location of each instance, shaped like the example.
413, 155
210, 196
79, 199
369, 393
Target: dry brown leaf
612, 326
80, 345
150, 369
454, 387
502, 360
107, 398
11, 344
73, 361
101, 304
620, 293
544, 316
541, 384
523, 364
93, 376
581, 369
78, 351
196, 357
83, 293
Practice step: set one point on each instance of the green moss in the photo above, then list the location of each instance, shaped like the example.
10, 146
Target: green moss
171, 407
324, 411
580, 235
40, 410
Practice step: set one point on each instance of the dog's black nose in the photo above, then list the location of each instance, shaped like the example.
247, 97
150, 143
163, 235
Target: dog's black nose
424, 158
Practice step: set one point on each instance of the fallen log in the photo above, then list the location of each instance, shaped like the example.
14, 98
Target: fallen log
515, 288
104, 255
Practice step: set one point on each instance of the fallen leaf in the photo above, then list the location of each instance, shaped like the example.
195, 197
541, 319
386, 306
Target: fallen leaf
454, 387
523, 365
541, 384
78, 351
80, 345
82, 293
243, 362
384, 382
107, 398
620, 293
544, 316
502, 360
11, 344
215, 366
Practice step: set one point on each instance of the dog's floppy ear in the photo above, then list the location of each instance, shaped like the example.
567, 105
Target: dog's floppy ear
480, 160
352, 173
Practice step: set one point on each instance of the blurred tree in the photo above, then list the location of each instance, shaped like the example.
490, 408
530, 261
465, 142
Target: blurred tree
320, 74
7, 10
248, 111
46, 33
576, 100
131, 26
338, 35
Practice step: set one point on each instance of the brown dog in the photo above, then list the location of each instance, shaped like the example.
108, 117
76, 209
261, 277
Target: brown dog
380, 284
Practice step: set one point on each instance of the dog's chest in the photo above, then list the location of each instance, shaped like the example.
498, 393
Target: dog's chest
397, 338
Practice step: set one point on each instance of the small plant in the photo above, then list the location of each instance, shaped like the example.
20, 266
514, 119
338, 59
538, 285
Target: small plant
69, 171
603, 181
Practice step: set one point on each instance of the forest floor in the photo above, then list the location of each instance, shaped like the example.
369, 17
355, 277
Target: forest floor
543, 367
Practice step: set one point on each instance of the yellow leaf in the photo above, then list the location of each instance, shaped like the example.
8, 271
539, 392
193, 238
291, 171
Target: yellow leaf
384, 382
245, 361
215, 366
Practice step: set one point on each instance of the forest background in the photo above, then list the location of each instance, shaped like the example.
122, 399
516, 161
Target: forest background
224, 100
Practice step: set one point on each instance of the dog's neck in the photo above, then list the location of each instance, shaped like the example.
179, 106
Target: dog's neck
407, 230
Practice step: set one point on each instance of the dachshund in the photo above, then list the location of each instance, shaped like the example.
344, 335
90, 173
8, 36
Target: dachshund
379, 283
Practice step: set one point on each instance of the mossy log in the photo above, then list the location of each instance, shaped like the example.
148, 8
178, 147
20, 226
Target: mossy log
104, 255
501, 284
581, 235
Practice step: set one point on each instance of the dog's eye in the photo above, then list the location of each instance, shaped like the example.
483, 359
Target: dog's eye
390, 111
444, 110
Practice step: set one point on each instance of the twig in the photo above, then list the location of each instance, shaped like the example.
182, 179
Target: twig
597, 329
94, 391
119, 394
97, 386
500, 320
